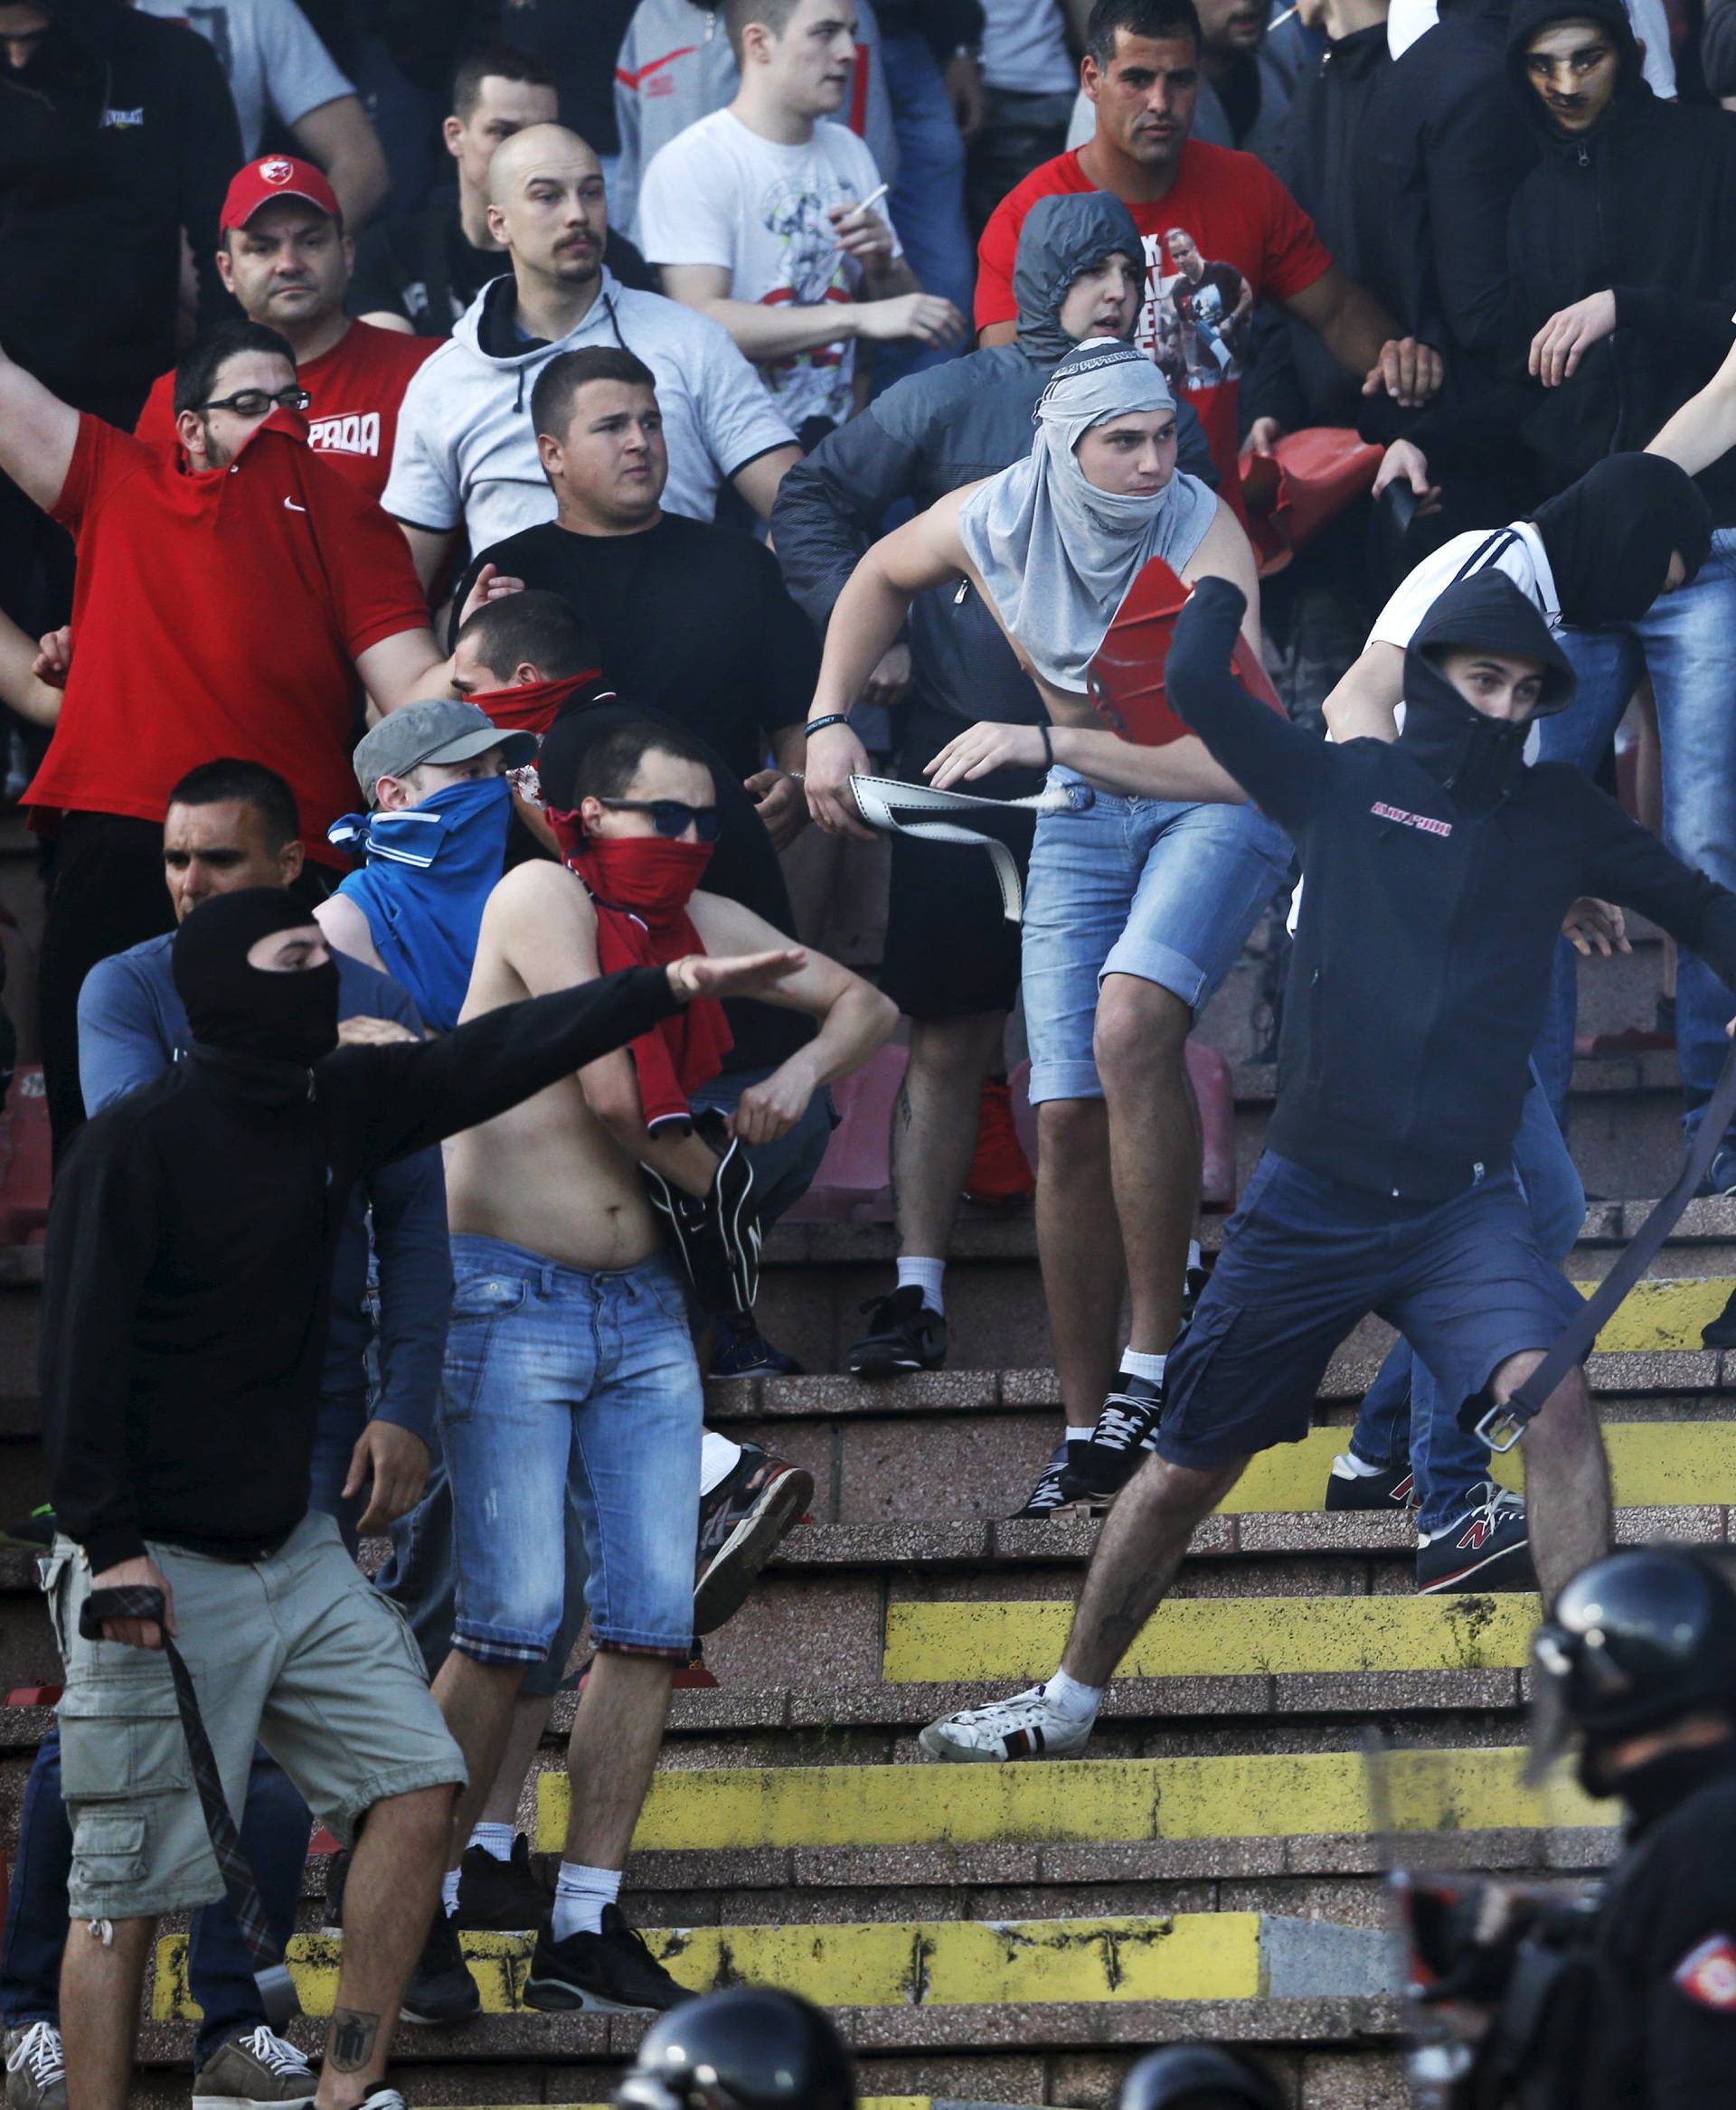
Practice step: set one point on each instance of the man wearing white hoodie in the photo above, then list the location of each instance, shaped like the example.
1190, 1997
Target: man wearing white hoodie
466, 455
677, 65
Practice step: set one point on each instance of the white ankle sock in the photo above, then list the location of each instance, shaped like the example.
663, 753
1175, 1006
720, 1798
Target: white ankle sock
1135, 1364
1195, 1258
580, 1897
915, 1272
1360, 1468
449, 1892
1079, 1436
717, 1460
493, 1839
1067, 1696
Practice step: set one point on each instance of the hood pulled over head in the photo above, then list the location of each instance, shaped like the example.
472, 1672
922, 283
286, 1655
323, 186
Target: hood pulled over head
1529, 16
1610, 536
239, 1009
1060, 237
1474, 756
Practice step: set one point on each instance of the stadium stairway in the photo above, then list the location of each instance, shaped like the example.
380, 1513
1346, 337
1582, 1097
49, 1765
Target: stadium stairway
1018, 1935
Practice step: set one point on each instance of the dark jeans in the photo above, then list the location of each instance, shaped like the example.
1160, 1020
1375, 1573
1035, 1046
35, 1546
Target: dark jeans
274, 1829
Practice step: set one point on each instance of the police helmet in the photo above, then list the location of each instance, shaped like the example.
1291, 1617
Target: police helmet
747, 2047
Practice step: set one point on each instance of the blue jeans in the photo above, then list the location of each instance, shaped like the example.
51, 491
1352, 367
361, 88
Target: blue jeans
1403, 1413
1163, 890
927, 204
274, 1829
1684, 643
569, 1395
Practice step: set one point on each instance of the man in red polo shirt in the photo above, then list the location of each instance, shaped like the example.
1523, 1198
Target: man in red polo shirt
236, 601
1230, 213
283, 253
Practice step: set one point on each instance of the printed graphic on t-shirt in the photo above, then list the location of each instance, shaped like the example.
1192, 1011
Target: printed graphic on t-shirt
349, 432
814, 269
1195, 318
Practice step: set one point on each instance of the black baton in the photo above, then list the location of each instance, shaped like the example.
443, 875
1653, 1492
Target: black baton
271, 1972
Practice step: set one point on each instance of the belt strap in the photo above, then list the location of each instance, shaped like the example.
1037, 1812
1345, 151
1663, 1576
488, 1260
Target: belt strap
1502, 1426
915, 809
270, 1974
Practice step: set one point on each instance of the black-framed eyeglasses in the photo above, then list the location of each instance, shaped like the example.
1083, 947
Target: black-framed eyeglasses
670, 817
256, 402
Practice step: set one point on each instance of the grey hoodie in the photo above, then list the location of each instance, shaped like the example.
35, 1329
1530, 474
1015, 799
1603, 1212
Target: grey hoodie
950, 426
675, 65
466, 455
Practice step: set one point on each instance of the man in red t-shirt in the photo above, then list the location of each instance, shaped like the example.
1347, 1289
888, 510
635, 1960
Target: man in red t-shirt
236, 601
283, 253
1208, 218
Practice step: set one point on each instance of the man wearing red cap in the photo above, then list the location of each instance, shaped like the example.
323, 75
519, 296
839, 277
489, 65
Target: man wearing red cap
283, 253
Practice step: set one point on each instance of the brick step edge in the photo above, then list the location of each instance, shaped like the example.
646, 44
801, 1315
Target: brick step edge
1360, 2022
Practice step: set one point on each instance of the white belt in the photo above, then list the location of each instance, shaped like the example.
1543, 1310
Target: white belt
886, 802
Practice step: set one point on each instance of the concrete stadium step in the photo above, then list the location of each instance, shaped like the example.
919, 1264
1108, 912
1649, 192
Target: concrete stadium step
940, 1964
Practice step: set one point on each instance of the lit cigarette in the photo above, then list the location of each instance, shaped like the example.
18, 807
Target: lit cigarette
872, 200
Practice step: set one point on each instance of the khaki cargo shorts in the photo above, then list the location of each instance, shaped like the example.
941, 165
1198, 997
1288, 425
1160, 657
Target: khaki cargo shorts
297, 1651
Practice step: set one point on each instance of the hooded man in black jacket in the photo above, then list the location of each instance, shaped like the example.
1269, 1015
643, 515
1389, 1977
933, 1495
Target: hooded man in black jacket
952, 958
116, 132
1439, 868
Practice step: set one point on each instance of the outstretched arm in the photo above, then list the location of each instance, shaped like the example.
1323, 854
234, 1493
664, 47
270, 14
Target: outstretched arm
37, 433
1286, 770
1627, 863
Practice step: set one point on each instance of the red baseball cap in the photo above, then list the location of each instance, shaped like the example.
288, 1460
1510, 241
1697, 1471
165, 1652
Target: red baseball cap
278, 176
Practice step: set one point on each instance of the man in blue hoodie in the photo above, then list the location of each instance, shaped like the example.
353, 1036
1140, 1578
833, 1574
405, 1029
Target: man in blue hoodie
952, 959
1439, 868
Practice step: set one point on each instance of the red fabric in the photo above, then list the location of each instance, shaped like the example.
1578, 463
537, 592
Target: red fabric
1126, 677
1237, 214
532, 706
640, 886
219, 613
353, 420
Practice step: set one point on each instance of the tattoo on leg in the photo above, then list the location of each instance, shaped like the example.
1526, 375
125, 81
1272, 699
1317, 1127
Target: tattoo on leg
901, 1130
352, 2039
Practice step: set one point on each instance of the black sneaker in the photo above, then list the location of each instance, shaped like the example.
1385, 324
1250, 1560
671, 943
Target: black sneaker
441, 1990
1392, 1487
904, 1335
500, 1897
1721, 1176
1046, 1500
613, 1972
34, 1533
740, 1520
1103, 1467
1486, 1548
740, 1350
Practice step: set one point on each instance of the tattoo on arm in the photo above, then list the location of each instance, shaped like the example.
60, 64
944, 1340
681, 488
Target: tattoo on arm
351, 2043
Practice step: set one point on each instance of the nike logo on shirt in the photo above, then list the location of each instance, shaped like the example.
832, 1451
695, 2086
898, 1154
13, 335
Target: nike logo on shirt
293, 506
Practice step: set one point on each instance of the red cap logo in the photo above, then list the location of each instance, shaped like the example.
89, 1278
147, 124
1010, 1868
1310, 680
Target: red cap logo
278, 171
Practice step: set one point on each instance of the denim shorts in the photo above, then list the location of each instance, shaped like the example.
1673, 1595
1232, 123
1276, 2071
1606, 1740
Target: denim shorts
570, 1400
1153, 888
1306, 1257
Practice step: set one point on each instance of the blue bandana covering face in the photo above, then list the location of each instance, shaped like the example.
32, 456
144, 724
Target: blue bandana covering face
431, 870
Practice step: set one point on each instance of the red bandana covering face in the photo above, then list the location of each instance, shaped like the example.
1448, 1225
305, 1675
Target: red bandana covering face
641, 886
535, 706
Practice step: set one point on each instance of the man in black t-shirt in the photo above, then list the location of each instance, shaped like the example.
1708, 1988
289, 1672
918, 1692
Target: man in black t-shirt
693, 620
421, 270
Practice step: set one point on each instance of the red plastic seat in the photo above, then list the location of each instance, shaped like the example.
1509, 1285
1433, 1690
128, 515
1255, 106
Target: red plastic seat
854, 1184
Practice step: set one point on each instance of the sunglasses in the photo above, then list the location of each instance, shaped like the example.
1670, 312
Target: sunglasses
670, 817
255, 402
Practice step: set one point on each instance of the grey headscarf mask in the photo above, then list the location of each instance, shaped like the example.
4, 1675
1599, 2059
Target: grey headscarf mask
1060, 237
1056, 554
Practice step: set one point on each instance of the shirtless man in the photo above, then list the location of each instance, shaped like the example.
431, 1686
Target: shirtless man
1137, 906
571, 1380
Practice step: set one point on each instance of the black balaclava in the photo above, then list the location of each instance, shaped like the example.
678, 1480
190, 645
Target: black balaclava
1608, 537
1060, 237
1476, 758
242, 1009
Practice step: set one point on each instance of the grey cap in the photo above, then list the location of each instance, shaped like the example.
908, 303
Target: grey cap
444, 730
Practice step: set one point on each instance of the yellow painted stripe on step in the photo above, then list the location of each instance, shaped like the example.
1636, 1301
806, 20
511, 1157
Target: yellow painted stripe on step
1202, 1955
1256, 1796
1656, 1465
1666, 1312
942, 1644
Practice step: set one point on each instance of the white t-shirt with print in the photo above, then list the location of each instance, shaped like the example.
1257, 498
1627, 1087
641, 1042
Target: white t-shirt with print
276, 65
719, 193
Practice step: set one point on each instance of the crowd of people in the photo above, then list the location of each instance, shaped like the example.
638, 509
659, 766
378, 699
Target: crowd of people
434, 613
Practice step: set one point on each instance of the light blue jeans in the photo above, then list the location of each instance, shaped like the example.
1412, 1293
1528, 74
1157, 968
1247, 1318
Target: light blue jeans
1159, 889
1403, 1413
569, 1398
927, 204
1687, 643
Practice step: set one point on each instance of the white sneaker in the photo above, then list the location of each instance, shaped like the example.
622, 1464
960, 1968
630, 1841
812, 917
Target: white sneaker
1024, 1727
35, 2069
256, 2068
